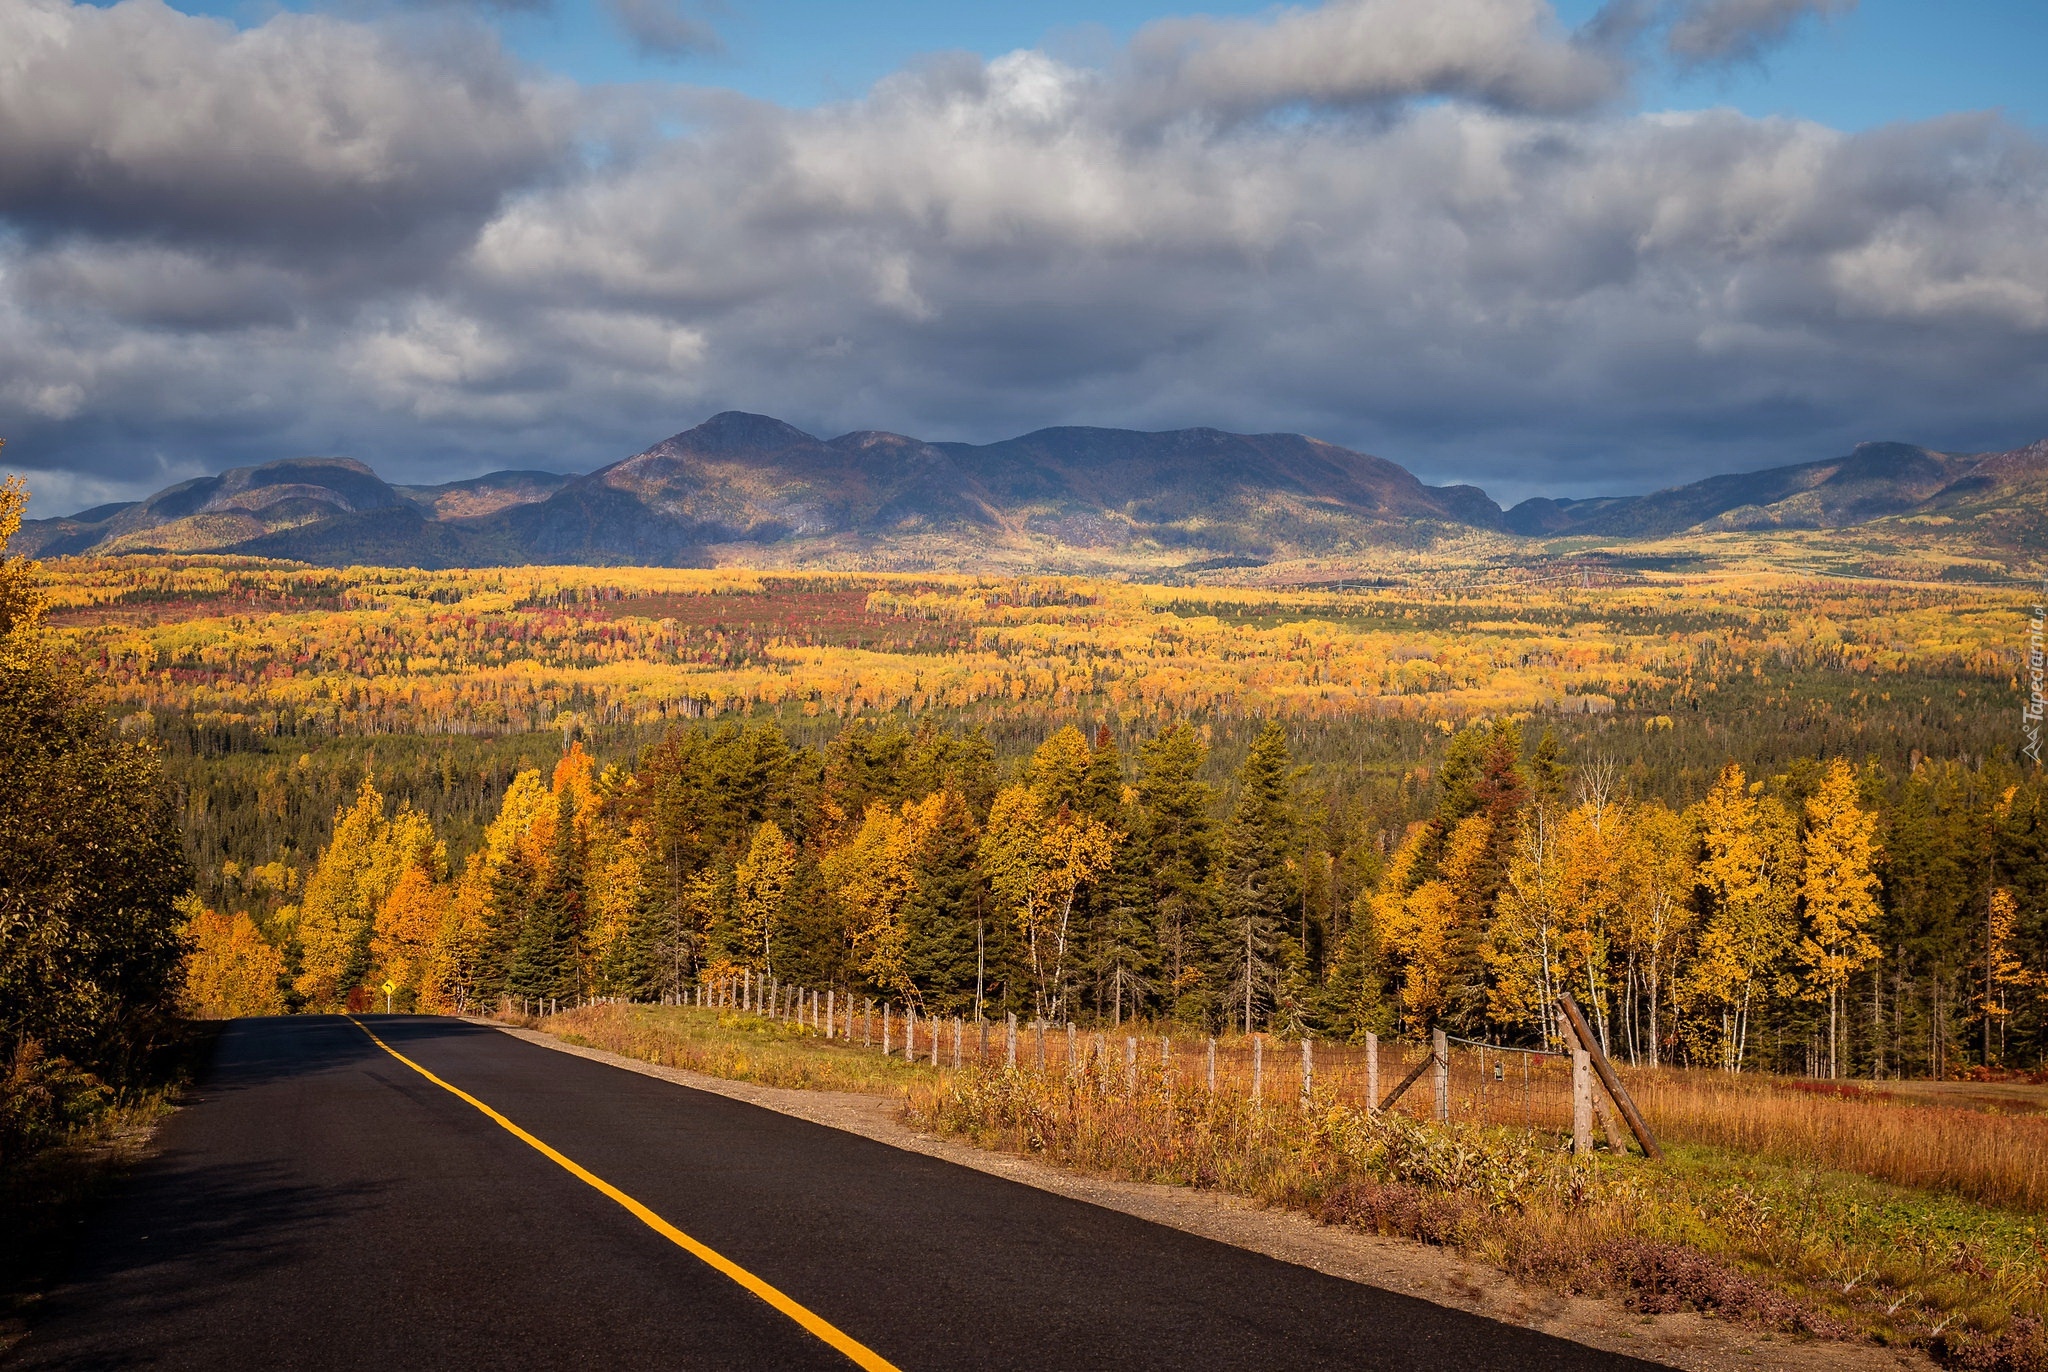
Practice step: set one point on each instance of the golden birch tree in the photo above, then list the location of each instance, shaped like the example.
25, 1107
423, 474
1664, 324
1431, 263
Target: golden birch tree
761, 893
1839, 894
1751, 874
1657, 916
231, 969
873, 874
1038, 860
1522, 946
409, 924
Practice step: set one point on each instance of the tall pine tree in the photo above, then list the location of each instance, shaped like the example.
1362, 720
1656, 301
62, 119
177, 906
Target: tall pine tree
1256, 879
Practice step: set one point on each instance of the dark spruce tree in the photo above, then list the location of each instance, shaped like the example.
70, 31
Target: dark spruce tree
1172, 853
939, 917
1257, 887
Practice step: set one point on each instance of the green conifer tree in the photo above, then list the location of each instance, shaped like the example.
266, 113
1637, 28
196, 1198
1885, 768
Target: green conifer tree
1172, 853
1257, 884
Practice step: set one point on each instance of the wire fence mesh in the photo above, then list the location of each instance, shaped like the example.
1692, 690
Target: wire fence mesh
1479, 1083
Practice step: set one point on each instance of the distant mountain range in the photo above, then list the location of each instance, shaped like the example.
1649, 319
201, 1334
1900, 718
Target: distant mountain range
743, 488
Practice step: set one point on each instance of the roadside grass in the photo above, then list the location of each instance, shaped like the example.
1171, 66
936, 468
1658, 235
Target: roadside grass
736, 1045
1800, 1250
1921, 1140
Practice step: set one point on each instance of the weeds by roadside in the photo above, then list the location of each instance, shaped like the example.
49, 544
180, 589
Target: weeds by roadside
1997, 1159
735, 1045
1803, 1251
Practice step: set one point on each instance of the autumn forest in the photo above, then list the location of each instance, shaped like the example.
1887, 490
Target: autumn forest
1752, 821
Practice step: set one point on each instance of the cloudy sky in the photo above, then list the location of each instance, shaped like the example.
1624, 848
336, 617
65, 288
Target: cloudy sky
1562, 248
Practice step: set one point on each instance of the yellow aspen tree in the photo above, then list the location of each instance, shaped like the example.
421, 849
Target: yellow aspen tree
1522, 946
409, 923
576, 773
1751, 874
2002, 966
761, 891
527, 800
618, 887
455, 959
1420, 937
1075, 851
1385, 907
1422, 927
872, 875
1657, 916
354, 874
335, 916
1059, 767
1038, 860
230, 970
1840, 895
1590, 840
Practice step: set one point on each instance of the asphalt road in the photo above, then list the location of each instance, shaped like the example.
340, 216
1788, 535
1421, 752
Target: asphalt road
321, 1205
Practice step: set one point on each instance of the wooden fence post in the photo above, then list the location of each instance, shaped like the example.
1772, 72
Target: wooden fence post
910, 1032
1212, 1065
1440, 1051
1130, 1065
959, 1032
1575, 1020
1582, 1102
1258, 1067
1308, 1069
1071, 1059
867, 1022
1010, 1044
1372, 1073
886, 1026
831, 1012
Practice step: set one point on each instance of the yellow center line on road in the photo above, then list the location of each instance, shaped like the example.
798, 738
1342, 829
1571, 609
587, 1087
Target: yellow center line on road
824, 1329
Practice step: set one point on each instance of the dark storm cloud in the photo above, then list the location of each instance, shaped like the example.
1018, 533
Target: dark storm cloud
1466, 258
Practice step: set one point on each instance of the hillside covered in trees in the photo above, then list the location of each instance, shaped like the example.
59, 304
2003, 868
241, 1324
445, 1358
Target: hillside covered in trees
1750, 822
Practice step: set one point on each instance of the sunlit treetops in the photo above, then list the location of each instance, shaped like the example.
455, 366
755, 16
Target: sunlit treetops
375, 650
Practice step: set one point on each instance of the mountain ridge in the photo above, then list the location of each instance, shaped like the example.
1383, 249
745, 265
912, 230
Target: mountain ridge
741, 487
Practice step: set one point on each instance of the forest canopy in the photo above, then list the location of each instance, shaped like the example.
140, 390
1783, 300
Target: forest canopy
1759, 821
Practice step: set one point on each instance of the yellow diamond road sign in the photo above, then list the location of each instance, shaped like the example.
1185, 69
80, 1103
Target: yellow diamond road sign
389, 987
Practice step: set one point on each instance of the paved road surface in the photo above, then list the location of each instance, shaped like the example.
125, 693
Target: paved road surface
322, 1205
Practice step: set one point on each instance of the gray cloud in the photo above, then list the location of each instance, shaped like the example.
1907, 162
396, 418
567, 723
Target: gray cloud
1508, 53
1482, 286
1722, 32
665, 28
304, 134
